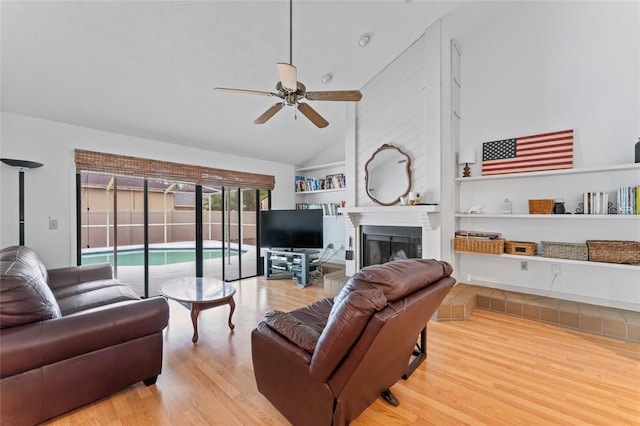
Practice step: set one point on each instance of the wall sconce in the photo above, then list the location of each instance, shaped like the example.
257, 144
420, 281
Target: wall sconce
22, 164
467, 156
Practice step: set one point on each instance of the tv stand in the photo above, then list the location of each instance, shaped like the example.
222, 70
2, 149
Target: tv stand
280, 264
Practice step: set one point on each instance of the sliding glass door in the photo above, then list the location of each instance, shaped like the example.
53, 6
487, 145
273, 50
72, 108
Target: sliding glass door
150, 230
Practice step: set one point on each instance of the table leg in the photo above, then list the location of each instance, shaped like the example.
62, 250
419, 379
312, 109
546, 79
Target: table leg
195, 311
232, 304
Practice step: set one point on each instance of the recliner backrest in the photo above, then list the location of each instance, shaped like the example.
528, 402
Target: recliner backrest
397, 279
367, 292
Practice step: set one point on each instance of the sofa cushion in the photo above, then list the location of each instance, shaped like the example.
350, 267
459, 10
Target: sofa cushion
397, 279
72, 299
25, 296
346, 322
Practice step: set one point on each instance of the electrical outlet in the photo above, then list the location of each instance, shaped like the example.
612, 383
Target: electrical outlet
524, 266
53, 223
330, 245
555, 269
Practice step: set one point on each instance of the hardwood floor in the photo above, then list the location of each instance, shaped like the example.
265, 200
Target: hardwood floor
492, 369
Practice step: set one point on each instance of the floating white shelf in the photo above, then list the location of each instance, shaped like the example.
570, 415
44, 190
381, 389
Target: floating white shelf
321, 166
554, 260
603, 169
320, 191
392, 209
549, 216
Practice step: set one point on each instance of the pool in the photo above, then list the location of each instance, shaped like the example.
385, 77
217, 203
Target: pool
160, 256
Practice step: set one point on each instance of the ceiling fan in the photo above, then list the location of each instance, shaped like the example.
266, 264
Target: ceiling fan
291, 91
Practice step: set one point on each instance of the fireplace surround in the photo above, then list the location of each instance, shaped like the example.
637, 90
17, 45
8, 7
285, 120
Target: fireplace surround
424, 220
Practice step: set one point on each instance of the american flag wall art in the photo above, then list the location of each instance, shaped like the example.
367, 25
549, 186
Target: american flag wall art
547, 151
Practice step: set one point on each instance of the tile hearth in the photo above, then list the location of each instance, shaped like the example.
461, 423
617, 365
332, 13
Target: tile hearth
604, 321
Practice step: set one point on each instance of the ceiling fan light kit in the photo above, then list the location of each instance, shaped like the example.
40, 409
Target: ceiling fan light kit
291, 91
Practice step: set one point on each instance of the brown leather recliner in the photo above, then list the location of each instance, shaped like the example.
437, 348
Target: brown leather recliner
70, 336
326, 363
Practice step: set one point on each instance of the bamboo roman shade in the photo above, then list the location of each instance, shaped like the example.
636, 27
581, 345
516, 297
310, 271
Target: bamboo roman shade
122, 165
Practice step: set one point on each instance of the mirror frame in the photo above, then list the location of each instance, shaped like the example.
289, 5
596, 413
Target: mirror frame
366, 174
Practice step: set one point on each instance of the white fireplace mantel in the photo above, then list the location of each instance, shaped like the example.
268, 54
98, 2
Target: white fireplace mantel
418, 215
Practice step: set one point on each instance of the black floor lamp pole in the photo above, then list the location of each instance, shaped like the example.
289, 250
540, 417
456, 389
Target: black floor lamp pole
21, 197
22, 164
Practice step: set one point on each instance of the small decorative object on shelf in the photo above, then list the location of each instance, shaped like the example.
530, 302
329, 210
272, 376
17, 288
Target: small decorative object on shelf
466, 157
558, 206
506, 206
638, 151
544, 206
523, 248
476, 209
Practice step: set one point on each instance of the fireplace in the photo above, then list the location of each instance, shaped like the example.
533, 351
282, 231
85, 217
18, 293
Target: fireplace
381, 244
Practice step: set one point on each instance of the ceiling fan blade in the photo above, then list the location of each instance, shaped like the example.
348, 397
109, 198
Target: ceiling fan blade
268, 113
243, 91
335, 95
288, 76
312, 115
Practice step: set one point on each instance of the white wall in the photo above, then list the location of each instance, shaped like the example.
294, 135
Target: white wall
401, 107
548, 66
50, 190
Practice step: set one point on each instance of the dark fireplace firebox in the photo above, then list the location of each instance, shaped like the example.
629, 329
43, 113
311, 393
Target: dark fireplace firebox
382, 244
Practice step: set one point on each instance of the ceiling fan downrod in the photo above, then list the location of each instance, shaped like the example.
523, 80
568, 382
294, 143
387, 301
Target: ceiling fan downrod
290, 32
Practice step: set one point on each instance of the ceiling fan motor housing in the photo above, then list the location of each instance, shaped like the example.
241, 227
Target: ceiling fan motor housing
291, 97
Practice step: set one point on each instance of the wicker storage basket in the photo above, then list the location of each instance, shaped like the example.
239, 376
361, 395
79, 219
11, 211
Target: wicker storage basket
523, 248
541, 206
479, 245
573, 251
614, 251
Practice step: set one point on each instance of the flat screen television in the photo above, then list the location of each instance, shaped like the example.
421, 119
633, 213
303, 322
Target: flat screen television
291, 229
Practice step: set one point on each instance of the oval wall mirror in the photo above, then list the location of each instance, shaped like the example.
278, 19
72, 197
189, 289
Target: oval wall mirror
388, 175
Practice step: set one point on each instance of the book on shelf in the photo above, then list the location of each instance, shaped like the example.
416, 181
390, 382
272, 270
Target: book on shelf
596, 202
628, 200
303, 184
328, 209
477, 234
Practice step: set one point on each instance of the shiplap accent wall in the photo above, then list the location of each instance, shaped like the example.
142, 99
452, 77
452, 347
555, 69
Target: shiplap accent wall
393, 110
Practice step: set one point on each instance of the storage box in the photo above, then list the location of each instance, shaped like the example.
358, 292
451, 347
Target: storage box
558, 250
612, 251
479, 245
523, 248
544, 206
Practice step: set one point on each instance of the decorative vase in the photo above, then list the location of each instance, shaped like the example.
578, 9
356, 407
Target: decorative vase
638, 151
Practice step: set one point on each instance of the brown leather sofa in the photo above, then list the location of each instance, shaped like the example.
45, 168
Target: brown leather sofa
70, 336
325, 363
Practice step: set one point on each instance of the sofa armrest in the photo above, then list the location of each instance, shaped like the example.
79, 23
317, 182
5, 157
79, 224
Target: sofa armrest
61, 277
46, 342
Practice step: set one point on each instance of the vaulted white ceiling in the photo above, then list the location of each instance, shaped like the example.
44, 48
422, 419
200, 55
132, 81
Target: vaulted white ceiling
148, 68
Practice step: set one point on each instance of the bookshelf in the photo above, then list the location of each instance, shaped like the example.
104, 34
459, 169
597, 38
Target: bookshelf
321, 186
608, 284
